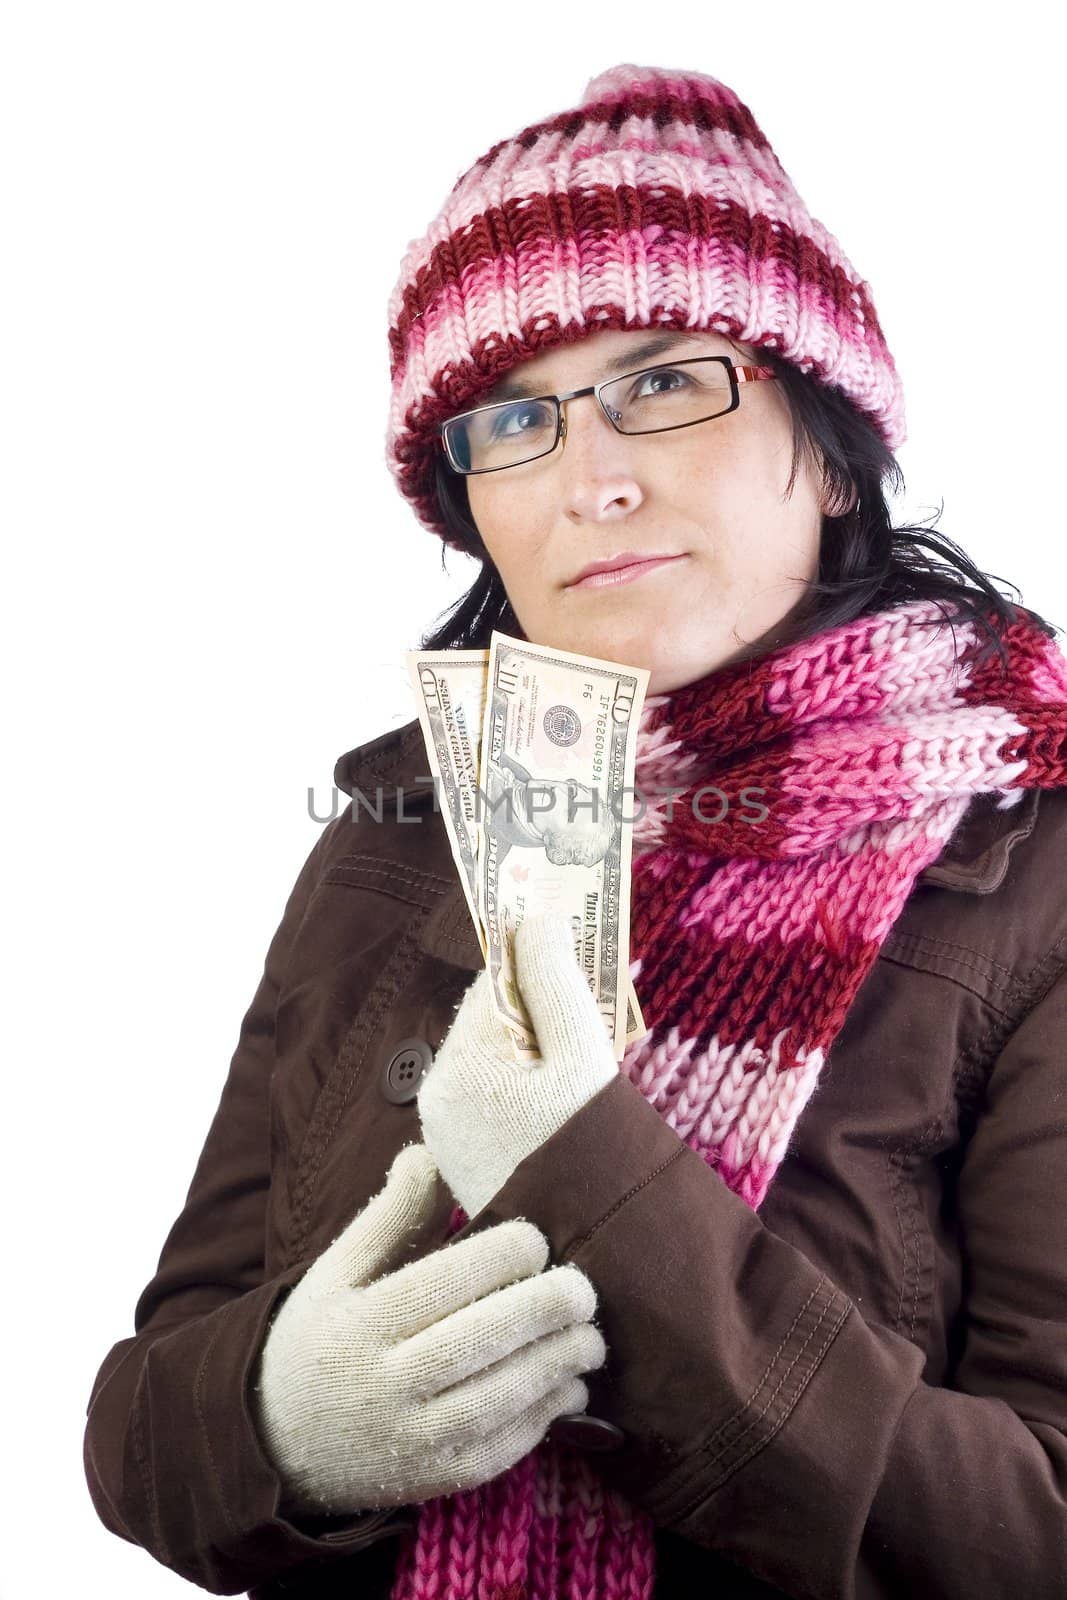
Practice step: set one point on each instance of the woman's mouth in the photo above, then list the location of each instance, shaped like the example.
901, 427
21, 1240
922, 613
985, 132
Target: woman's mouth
637, 569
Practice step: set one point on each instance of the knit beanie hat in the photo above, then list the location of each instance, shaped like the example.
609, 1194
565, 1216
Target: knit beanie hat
657, 203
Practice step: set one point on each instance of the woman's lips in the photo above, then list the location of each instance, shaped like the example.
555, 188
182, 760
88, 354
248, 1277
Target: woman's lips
599, 580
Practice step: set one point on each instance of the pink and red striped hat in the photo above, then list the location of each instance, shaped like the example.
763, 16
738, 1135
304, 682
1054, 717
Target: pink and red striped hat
657, 203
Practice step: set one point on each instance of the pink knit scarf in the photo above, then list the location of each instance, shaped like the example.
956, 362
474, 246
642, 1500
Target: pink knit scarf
833, 771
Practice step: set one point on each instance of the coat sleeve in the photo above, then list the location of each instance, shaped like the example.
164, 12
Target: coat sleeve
765, 1418
172, 1457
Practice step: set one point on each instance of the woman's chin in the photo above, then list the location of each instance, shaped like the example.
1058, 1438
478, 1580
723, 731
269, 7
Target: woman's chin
630, 641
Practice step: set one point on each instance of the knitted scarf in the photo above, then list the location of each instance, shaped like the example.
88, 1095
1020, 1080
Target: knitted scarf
750, 938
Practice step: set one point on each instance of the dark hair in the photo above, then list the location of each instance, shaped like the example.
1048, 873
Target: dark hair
865, 564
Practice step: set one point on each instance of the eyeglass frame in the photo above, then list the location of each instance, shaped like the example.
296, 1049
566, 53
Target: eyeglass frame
738, 374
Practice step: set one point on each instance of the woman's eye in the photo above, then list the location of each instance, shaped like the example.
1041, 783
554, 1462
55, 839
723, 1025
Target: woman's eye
519, 419
661, 379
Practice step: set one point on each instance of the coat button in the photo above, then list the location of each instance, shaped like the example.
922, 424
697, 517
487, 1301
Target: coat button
584, 1432
405, 1070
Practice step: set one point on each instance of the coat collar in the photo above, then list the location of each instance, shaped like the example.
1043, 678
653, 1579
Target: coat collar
976, 857
390, 771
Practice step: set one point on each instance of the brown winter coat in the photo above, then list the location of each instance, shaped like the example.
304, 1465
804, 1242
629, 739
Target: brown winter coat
857, 1392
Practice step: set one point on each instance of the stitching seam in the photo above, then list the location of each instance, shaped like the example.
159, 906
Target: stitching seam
199, 1412
932, 941
636, 1189
1031, 990
148, 1483
388, 870
750, 1431
335, 1092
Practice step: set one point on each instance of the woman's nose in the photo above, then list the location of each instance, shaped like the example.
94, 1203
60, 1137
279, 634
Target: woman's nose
595, 464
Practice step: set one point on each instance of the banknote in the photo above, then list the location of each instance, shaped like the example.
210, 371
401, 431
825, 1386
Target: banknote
449, 689
545, 824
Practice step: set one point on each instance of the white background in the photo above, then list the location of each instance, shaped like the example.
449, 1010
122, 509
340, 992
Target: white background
210, 578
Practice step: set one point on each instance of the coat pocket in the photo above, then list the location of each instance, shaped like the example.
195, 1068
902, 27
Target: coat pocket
360, 985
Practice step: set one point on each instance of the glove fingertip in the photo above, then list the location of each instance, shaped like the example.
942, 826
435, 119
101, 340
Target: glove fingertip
555, 988
545, 930
413, 1167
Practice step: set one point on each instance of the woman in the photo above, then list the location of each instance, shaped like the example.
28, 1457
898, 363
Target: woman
779, 1306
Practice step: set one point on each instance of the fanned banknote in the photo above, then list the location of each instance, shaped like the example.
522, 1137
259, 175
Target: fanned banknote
449, 690
537, 794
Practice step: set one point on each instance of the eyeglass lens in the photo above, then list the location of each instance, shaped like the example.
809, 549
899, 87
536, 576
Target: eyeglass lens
644, 402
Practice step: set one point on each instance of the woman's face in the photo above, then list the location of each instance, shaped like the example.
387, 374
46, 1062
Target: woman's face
712, 495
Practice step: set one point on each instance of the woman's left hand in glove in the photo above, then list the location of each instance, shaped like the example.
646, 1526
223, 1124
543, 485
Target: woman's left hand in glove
481, 1110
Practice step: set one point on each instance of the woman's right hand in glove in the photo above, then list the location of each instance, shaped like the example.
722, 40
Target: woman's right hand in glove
381, 1388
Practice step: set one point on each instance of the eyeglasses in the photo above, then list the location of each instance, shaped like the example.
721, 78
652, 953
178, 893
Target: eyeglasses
490, 438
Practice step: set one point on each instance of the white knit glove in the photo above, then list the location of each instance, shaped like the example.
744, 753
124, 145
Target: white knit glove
380, 1390
481, 1111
